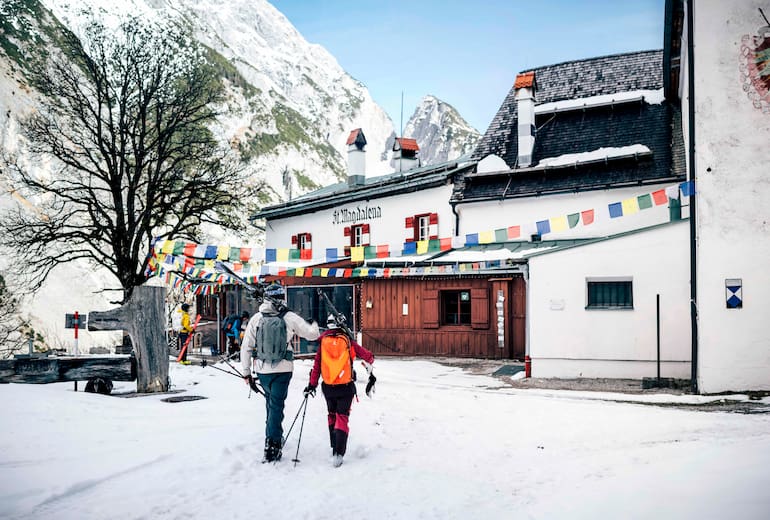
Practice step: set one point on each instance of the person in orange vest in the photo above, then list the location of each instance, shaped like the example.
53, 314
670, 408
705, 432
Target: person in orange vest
334, 363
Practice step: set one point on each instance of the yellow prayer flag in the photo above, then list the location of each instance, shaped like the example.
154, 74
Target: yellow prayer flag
299, 271
630, 206
168, 247
559, 223
282, 255
422, 247
486, 237
324, 272
209, 264
356, 254
223, 253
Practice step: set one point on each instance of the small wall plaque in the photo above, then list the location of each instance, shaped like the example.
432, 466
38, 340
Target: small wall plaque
734, 293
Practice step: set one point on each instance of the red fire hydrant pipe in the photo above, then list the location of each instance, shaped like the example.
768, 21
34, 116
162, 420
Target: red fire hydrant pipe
527, 366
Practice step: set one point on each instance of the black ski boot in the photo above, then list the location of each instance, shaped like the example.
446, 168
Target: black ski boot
272, 451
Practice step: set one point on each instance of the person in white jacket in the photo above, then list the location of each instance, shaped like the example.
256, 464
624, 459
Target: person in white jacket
274, 376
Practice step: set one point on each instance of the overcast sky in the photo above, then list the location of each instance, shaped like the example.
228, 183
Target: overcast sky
467, 53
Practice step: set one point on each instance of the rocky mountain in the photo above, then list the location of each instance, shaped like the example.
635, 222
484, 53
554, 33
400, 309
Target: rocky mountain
440, 131
290, 106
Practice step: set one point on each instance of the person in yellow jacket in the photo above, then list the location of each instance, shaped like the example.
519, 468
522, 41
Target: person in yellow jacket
185, 331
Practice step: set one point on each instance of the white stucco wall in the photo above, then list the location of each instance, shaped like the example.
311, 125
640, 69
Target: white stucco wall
732, 167
328, 231
566, 340
483, 216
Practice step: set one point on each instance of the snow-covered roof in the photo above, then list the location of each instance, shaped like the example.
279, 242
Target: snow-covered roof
654, 97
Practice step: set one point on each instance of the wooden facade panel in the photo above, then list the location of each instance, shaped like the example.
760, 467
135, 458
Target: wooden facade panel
386, 330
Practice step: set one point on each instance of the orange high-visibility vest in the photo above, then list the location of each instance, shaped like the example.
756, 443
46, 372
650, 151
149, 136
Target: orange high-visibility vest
337, 359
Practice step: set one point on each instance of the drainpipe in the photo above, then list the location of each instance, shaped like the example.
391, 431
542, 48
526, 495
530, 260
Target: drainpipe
693, 229
457, 218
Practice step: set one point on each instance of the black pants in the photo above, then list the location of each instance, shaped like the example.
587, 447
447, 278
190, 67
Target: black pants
181, 340
339, 399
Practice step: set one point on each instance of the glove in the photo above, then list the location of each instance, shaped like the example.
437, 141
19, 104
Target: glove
309, 391
370, 385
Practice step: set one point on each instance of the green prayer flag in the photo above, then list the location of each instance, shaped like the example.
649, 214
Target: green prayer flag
573, 219
645, 201
501, 235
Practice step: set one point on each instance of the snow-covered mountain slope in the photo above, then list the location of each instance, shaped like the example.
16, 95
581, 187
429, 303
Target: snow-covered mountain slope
440, 131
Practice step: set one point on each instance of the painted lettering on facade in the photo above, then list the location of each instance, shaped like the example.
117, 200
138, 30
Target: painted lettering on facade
353, 214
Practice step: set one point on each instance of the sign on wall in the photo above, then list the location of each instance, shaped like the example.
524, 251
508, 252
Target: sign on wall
734, 293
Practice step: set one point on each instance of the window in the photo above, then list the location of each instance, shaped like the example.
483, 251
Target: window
359, 235
456, 307
421, 227
610, 294
302, 241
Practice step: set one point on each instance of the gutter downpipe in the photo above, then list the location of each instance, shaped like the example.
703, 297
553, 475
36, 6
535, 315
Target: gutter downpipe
457, 218
693, 228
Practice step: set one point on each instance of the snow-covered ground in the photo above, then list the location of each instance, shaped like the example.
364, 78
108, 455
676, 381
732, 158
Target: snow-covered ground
434, 442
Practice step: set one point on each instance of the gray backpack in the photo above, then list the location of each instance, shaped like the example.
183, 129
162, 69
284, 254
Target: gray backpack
271, 338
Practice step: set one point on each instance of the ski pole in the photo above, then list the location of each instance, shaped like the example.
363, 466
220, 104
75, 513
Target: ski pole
286, 437
299, 439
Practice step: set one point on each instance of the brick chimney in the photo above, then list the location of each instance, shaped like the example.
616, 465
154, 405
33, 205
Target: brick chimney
356, 158
525, 101
405, 154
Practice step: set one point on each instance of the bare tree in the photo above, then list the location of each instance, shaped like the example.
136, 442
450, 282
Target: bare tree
127, 116
11, 333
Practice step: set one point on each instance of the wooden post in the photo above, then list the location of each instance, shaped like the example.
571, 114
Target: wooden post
142, 317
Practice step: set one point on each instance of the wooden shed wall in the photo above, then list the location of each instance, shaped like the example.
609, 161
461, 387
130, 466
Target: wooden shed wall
388, 331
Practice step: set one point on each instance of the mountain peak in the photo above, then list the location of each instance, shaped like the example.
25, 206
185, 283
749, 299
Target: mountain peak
440, 131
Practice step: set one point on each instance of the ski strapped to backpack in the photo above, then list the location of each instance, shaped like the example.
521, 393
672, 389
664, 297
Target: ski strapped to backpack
272, 338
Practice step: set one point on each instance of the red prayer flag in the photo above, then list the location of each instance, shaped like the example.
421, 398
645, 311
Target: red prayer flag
514, 231
245, 254
659, 197
588, 216
445, 244
382, 251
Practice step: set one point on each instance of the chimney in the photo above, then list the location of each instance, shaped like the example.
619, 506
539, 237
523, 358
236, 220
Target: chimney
405, 154
525, 101
356, 158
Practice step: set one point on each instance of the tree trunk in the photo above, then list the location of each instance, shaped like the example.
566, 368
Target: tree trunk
142, 317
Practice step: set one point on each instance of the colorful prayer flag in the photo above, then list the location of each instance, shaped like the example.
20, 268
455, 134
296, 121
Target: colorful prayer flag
659, 197
630, 206
644, 201
616, 209
543, 227
558, 224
